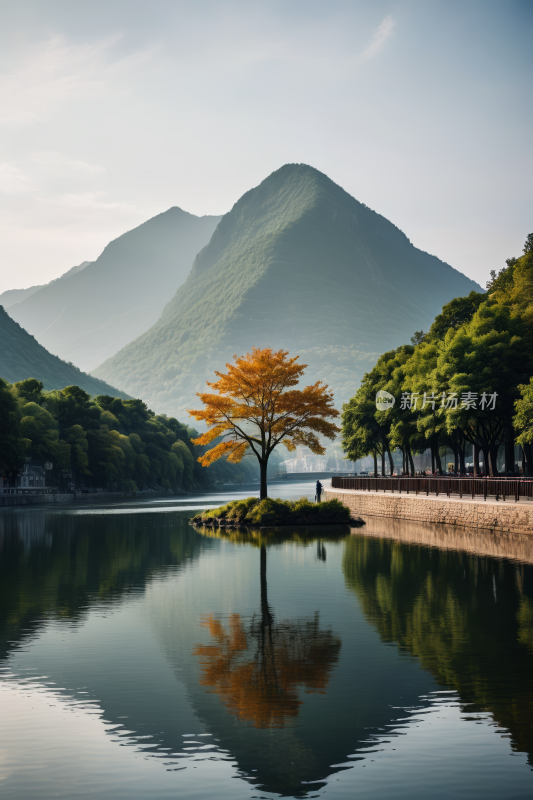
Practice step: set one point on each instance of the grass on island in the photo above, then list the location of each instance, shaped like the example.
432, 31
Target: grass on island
271, 511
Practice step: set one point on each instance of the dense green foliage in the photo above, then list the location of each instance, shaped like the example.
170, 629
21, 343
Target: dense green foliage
22, 355
271, 511
86, 317
101, 442
454, 314
299, 264
479, 346
524, 414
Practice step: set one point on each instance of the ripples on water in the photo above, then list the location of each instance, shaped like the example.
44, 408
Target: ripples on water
141, 658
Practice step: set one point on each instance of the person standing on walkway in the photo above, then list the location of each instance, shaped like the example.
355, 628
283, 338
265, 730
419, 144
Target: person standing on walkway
318, 494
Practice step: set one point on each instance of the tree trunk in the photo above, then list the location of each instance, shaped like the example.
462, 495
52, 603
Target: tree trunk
411, 462
493, 462
375, 464
455, 459
263, 492
475, 459
391, 462
509, 449
432, 459
462, 465
439, 462
383, 462
485, 460
527, 461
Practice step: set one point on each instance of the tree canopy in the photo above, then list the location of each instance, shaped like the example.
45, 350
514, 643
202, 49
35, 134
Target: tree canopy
256, 408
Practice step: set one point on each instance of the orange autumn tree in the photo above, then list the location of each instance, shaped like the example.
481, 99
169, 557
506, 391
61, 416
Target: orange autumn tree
256, 408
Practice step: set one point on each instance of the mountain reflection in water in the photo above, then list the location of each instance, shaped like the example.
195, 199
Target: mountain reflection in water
299, 679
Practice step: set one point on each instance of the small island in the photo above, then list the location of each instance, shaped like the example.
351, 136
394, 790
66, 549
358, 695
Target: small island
274, 512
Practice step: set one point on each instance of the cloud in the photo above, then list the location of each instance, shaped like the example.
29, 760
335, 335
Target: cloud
51, 186
54, 72
55, 212
49, 160
14, 181
376, 44
48, 174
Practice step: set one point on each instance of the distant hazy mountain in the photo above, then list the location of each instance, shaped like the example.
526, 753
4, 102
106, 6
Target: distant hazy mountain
21, 357
297, 263
88, 316
12, 296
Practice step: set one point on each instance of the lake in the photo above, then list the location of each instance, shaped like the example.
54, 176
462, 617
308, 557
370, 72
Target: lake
142, 658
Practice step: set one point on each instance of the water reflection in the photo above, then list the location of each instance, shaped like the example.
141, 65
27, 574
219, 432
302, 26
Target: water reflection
467, 619
257, 668
165, 631
58, 565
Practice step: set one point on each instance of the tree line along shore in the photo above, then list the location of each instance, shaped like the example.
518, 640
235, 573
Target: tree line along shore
101, 442
467, 381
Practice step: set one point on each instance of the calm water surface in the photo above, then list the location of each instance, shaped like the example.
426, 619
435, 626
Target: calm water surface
141, 658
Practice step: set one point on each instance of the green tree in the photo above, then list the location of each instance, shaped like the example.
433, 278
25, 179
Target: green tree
106, 456
523, 422
366, 431
39, 427
72, 406
426, 384
492, 354
12, 446
29, 391
455, 314
76, 437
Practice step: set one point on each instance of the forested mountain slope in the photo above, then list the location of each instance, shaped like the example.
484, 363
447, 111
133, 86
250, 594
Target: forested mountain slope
300, 264
88, 316
21, 357
12, 296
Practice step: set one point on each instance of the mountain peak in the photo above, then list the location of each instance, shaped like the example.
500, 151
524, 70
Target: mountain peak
95, 312
300, 264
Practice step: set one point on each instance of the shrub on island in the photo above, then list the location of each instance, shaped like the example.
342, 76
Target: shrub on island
273, 512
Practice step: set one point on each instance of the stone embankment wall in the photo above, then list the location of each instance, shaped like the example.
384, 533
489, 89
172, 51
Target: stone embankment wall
486, 515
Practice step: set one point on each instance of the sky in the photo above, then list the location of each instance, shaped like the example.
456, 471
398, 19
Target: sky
115, 110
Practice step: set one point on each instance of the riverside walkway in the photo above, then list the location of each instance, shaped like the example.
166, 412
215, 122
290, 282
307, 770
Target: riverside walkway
500, 489
500, 505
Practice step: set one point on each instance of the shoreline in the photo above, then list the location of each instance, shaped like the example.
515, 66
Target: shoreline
487, 515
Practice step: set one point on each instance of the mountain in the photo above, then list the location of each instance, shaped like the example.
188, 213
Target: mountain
21, 356
12, 296
88, 316
300, 264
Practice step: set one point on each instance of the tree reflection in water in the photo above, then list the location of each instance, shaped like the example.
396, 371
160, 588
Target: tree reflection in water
468, 619
257, 667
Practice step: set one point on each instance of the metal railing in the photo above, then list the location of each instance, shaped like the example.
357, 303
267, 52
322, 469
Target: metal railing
500, 488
